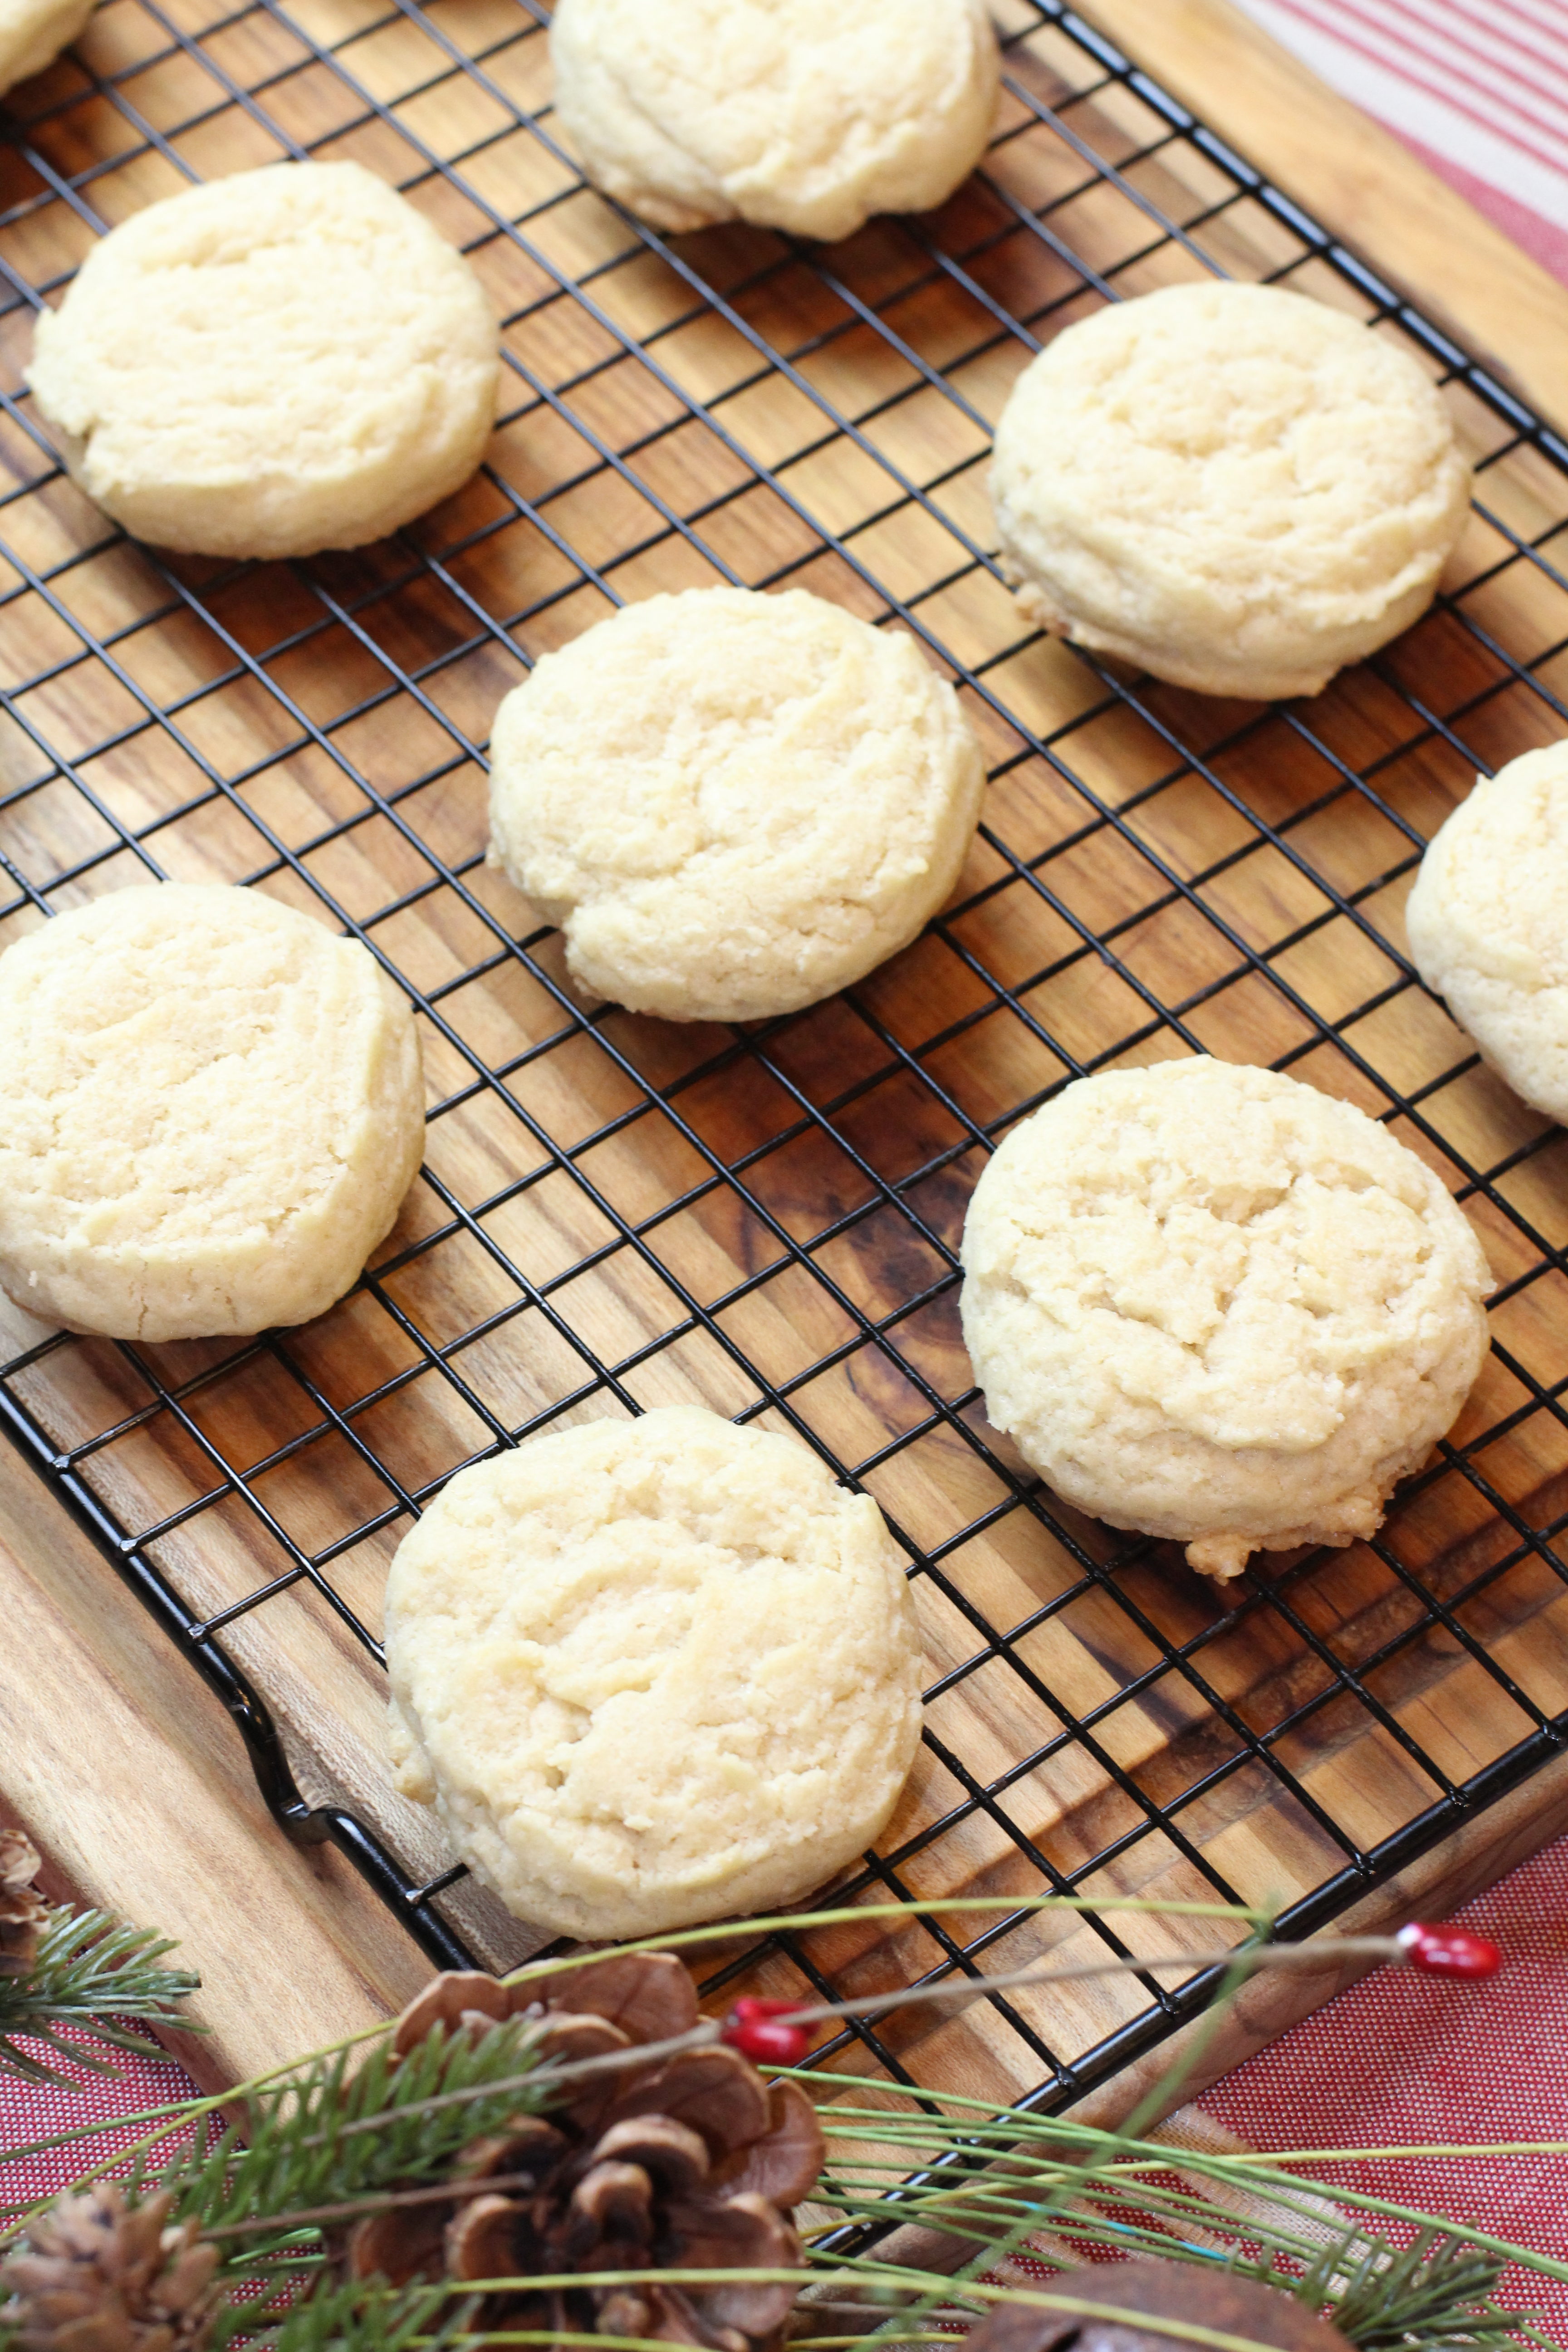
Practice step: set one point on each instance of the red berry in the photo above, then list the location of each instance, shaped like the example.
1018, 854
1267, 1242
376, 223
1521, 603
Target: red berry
1448, 1951
758, 2029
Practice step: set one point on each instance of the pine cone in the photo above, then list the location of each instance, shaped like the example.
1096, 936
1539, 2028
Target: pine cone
100, 2276
688, 2162
23, 1918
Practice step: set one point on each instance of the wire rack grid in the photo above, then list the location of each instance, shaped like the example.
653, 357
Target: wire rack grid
616, 1212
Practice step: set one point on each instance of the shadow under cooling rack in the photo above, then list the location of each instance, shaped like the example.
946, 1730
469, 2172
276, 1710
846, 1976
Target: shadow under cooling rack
615, 1212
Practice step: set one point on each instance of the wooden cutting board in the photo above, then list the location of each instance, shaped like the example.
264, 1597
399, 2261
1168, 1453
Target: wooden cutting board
124, 1767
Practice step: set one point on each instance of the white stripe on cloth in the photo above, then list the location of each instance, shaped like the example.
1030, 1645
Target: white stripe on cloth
1520, 60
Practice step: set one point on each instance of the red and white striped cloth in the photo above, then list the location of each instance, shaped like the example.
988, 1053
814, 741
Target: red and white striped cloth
1478, 88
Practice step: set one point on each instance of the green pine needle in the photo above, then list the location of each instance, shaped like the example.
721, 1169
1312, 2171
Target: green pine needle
90, 1969
1415, 2295
1070, 2182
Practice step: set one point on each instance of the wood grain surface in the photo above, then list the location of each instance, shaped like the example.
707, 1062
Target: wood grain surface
619, 1211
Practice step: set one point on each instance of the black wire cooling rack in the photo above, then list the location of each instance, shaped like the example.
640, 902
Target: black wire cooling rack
617, 1213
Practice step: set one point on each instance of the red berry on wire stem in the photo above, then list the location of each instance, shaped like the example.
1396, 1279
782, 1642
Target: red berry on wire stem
1448, 1951
760, 2030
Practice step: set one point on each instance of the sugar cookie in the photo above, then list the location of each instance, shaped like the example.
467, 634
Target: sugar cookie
1214, 1304
806, 115
732, 803
1235, 487
210, 1109
652, 1672
287, 359
34, 32
1489, 922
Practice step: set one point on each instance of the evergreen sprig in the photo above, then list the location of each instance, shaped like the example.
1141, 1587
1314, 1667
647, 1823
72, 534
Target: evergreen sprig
88, 1970
1436, 2292
334, 2132
354, 2125
1012, 2179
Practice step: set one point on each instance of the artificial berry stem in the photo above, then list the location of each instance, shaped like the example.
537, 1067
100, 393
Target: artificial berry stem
775, 2033
765, 2030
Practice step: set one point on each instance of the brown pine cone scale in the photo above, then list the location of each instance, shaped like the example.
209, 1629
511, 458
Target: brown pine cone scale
1176, 2293
22, 1917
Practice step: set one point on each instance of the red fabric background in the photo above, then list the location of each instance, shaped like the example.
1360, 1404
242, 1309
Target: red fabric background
1402, 2059
30, 2112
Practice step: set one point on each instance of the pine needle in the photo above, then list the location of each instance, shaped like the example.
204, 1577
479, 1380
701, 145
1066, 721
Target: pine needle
1434, 2295
350, 2317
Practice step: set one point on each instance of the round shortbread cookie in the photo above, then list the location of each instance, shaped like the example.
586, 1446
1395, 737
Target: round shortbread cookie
210, 1109
1211, 1303
1489, 922
734, 803
806, 115
34, 32
653, 1672
1235, 487
285, 360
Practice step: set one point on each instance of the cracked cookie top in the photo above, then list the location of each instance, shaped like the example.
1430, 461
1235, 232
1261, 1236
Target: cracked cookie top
653, 1672
1213, 1304
734, 803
